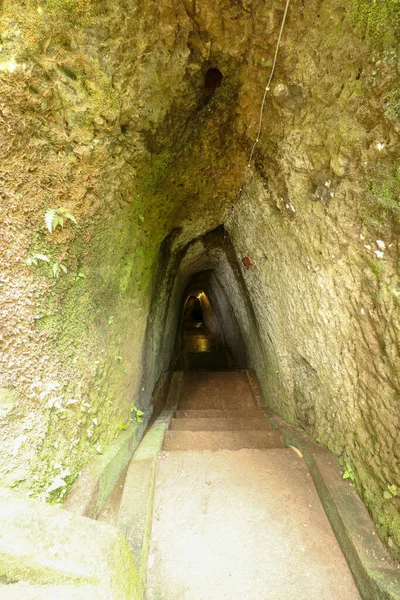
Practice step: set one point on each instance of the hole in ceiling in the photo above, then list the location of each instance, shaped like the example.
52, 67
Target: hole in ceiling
212, 82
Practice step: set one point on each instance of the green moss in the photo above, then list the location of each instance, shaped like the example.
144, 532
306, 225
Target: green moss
65, 8
380, 19
393, 105
377, 267
98, 89
381, 208
389, 525
156, 171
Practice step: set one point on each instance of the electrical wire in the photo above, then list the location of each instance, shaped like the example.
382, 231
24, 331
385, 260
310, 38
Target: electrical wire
260, 122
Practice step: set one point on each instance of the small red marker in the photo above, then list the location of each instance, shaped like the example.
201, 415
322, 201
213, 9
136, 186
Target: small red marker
246, 260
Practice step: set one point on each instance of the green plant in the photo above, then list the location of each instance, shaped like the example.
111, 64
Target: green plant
56, 267
138, 416
111, 320
54, 217
391, 492
348, 473
121, 426
33, 260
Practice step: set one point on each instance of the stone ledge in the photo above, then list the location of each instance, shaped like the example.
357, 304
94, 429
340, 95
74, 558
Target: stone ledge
257, 391
99, 476
375, 572
136, 508
48, 553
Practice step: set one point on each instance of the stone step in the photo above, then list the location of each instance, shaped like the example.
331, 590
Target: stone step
221, 424
218, 414
221, 440
219, 390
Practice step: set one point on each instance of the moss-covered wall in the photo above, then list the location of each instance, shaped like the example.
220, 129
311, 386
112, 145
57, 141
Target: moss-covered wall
103, 112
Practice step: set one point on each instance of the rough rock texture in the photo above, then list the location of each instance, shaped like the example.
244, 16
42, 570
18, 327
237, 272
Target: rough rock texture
42, 551
104, 111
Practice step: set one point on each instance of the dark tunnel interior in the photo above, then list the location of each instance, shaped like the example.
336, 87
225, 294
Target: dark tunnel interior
208, 334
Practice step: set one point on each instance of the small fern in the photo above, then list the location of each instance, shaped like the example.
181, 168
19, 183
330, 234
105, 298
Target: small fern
32, 261
56, 267
54, 217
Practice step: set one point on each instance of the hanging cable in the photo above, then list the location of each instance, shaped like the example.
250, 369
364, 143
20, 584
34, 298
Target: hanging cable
267, 87
260, 122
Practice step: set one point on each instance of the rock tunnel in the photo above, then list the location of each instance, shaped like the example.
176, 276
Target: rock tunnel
135, 185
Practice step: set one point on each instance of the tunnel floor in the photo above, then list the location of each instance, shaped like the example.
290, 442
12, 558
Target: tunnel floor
201, 351
236, 514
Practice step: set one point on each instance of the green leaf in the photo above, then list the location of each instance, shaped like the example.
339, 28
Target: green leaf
58, 221
393, 489
139, 413
67, 214
141, 217
119, 358
56, 270
49, 218
71, 217
387, 495
121, 426
346, 475
42, 257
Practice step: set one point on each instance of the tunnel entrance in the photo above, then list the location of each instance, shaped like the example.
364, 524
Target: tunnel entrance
208, 334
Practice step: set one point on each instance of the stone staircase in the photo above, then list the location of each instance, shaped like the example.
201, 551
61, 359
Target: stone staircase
236, 514
217, 412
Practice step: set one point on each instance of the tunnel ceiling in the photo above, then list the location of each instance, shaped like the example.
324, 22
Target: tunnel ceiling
137, 119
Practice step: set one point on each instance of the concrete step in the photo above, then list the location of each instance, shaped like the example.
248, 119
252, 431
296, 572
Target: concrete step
219, 390
244, 525
218, 414
221, 424
221, 440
